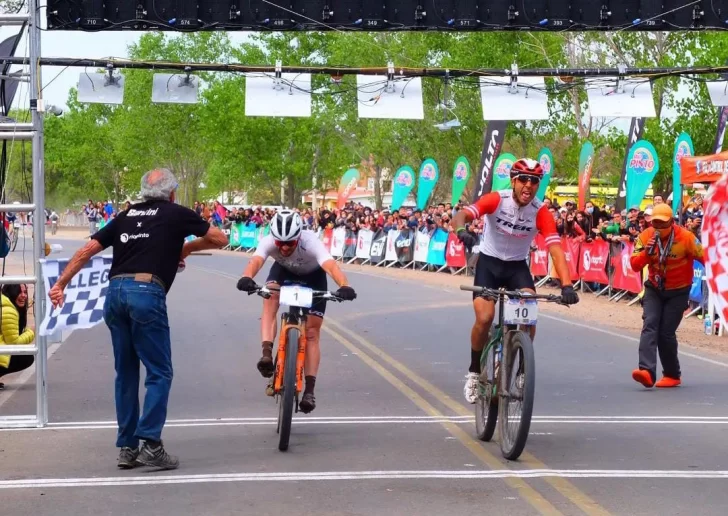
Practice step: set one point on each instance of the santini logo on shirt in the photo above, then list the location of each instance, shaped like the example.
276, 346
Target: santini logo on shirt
142, 213
125, 237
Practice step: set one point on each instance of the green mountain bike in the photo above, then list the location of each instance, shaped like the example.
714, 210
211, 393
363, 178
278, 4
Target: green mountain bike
508, 369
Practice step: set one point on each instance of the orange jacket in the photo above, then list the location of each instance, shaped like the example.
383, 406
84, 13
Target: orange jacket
679, 265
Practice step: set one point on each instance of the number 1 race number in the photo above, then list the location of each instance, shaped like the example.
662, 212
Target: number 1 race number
296, 295
521, 311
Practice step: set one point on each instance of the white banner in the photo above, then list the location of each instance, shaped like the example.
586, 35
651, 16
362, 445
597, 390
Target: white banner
364, 244
337, 242
391, 254
422, 246
83, 305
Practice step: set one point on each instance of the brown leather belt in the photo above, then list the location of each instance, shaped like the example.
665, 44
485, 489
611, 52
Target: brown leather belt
142, 277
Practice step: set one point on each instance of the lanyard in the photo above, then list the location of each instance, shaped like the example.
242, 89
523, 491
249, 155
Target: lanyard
663, 253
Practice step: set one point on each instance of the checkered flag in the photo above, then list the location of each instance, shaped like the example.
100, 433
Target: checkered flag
83, 305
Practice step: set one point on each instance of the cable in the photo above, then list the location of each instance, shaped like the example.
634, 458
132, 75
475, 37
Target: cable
633, 24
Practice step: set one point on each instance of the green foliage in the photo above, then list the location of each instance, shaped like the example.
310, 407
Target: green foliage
96, 151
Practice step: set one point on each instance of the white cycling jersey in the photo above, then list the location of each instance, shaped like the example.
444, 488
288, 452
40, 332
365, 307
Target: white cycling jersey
509, 227
309, 254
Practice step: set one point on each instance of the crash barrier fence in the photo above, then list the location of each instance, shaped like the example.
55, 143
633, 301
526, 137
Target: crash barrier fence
598, 267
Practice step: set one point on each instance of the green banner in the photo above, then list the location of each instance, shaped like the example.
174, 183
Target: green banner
547, 164
642, 166
683, 147
346, 186
502, 172
429, 174
460, 177
235, 234
404, 182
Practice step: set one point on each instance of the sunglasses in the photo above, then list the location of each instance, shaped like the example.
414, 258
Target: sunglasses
289, 243
525, 178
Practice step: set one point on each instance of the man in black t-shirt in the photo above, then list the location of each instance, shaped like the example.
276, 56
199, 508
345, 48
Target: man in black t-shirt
148, 241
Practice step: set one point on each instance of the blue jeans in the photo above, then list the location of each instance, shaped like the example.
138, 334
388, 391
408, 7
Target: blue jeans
136, 314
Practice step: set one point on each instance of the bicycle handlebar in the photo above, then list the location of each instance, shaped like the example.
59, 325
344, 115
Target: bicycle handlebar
514, 294
265, 293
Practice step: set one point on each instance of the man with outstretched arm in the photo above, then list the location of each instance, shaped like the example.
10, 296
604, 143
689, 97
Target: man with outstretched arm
300, 257
513, 217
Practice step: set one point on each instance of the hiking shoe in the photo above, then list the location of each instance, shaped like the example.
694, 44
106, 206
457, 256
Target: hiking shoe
128, 457
644, 377
154, 455
470, 391
308, 403
666, 382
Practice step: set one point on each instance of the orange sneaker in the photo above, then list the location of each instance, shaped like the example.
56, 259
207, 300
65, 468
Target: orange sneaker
643, 377
666, 382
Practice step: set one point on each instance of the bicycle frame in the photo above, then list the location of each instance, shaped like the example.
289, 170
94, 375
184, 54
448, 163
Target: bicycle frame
294, 318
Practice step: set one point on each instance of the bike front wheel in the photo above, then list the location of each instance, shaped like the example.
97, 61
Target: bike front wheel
486, 407
288, 397
517, 391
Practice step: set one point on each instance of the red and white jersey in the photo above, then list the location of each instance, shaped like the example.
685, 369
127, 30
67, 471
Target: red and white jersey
509, 227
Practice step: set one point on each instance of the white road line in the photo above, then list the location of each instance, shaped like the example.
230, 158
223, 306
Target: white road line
390, 420
631, 339
355, 475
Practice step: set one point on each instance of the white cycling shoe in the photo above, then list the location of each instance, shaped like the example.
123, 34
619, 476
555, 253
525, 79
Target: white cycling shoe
471, 387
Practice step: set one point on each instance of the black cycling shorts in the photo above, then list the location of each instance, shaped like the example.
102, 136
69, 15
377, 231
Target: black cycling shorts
494, 273
315, 280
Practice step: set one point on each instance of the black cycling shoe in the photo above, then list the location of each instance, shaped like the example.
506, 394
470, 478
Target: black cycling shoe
308, 403
265, 366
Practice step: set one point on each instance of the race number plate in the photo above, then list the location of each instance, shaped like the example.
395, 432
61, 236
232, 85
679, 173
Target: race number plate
521, 311
296, 295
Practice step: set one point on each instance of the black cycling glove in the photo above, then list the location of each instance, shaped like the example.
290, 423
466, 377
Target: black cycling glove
246, 284
467, 238
346, 293
569, 295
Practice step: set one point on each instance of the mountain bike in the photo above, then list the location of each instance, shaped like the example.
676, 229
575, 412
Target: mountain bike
508, 369
287, 381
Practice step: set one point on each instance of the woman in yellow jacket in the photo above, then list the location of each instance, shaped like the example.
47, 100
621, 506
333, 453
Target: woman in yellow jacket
13, 321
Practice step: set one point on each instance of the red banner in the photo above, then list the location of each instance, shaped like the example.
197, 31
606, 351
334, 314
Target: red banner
703, 169
571, 250
328, 237
594, 259
624, 277
540, 257
455, 256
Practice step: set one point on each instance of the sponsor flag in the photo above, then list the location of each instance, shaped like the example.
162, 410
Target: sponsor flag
636, 128
502, 174
642, 166
493, 139
404, 181
346, 186
547, 164
586, 162
683, 149
460, 178
429, 174
703, 169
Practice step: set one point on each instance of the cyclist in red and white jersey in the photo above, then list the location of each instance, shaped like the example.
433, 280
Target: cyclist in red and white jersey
512, 219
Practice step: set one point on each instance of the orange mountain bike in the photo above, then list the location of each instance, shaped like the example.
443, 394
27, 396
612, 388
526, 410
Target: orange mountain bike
287, 381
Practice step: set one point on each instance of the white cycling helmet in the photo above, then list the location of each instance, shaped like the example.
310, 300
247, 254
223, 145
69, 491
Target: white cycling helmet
286, 225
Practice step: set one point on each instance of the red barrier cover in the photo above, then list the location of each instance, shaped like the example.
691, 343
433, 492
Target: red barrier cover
624, 277
455, 256
540, 257
571, 250
594, 259
328, 237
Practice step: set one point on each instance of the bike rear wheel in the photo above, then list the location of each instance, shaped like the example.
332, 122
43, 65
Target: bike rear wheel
288, 396
517, 391
486, 407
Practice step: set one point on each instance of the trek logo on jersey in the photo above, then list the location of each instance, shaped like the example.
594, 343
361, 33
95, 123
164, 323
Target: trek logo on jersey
511, 225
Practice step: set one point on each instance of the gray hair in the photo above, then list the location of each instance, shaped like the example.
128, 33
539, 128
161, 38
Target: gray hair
158, 184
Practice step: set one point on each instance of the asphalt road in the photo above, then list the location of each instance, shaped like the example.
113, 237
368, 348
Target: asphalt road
391, 433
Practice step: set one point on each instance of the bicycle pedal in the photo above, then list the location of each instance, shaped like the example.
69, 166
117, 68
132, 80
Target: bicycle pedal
269, 391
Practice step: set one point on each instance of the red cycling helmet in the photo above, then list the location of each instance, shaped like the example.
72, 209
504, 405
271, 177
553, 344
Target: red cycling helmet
527, 166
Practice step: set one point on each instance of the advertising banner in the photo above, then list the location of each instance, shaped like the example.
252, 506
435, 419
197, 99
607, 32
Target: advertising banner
455, 256
586, 163
404, 245
429, 174
493, 139
438, 245
349, 244
248, 233
422, 246
624, 277
364, 244
636, 128
391, 253
540, 257
547, 164
642, 166
502, 174
594, 260
378, 247
460, 178
683, 149
337, 242
346, 186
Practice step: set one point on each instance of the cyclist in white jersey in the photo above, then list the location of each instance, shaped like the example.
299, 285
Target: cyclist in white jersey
512, 219
300, 257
